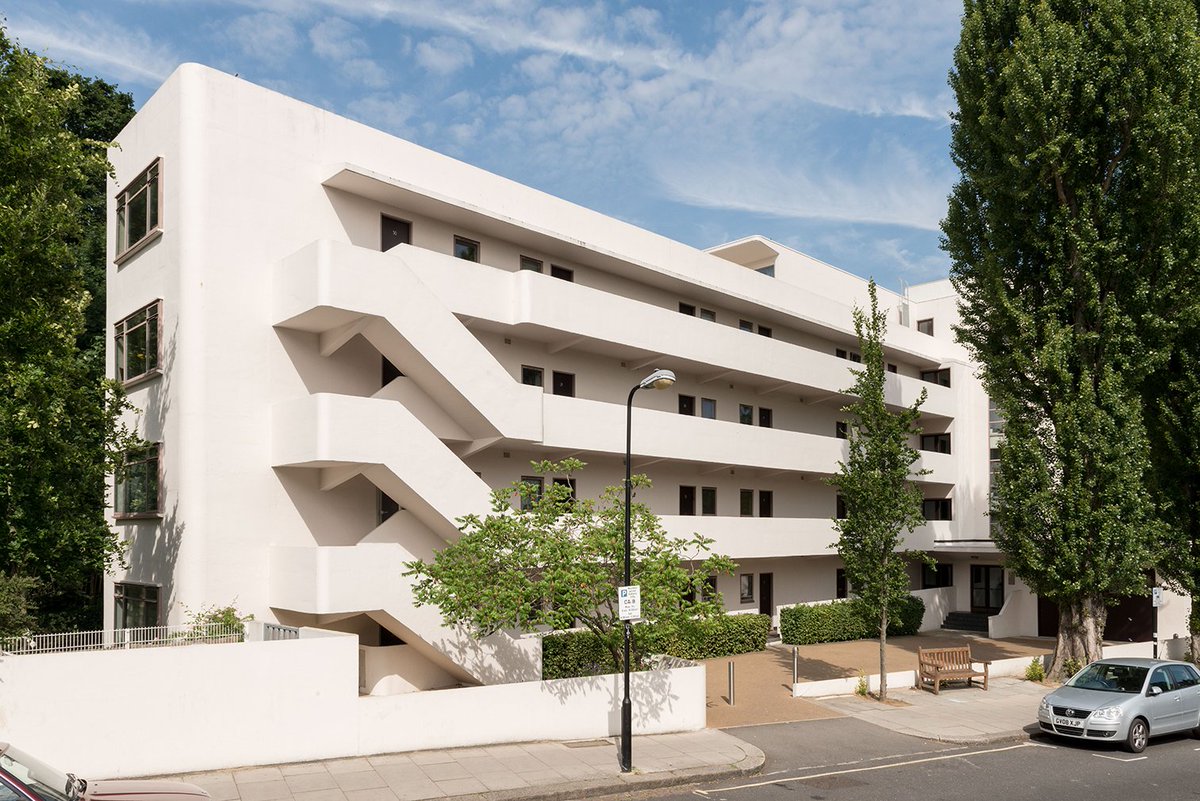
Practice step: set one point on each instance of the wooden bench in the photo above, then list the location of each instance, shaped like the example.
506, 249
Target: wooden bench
936, 665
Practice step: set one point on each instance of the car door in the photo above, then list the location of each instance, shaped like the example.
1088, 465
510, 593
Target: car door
1164, 707
1187, 680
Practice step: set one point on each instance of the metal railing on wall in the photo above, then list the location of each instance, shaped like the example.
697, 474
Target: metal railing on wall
147, 637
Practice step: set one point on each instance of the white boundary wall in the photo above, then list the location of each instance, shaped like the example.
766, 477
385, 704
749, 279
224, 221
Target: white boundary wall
149, 711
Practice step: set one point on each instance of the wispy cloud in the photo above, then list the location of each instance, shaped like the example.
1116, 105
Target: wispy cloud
94, 42
265, 36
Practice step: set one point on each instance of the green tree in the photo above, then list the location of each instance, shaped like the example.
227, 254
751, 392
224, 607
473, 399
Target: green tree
59, 431
1173, 412
99, 115
557, 562
1074, 236
882, 503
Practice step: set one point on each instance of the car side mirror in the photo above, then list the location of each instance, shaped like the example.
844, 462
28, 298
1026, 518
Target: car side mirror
1155, 690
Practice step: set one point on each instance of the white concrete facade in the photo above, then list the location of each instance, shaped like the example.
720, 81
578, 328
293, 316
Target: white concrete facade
276, 434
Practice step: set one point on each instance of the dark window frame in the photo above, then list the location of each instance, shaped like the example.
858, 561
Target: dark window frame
554, 383
384, 219
936, 443
687, 405
125, 596
467, 245
562, 273
766, 503
745, 414
705, 404
687, 500
708, 501
746, 580
746, 503
528, 371
130, 202
142, 465
145, 327
531, 264
925, 326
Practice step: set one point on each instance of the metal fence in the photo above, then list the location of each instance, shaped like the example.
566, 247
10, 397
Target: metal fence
149, 637
273, 632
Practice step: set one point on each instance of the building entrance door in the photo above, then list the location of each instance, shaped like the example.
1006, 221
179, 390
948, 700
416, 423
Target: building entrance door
987, 589
766, 593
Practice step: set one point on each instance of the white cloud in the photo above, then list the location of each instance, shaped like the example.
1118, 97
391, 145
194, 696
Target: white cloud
266, 36
334, 39
97, 43
443, 55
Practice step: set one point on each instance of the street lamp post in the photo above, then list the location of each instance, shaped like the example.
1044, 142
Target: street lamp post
659, 379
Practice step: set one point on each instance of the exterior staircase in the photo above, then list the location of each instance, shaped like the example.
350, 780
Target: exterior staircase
966, 621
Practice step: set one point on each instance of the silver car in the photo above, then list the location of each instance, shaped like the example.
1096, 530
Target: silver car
1125, 701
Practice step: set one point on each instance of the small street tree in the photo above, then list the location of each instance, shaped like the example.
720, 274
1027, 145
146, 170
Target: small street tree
881, 502
556, 562
1074, 235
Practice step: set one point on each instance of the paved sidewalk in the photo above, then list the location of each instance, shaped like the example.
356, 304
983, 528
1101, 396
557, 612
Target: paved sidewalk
543, 770
960, 714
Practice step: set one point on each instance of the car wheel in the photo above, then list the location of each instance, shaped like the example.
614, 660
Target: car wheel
1139, 733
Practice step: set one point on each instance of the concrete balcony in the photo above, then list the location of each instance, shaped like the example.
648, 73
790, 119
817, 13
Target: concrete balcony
587, 425
765, 537
539, 303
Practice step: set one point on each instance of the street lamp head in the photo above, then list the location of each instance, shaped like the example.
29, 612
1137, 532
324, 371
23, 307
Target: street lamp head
659, 379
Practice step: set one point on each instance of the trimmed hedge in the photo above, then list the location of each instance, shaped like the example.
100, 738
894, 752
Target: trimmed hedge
580, 653
845, 620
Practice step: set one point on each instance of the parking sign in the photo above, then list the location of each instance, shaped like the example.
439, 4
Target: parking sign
629, 602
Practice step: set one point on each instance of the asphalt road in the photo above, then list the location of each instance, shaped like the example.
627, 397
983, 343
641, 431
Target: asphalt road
849, 760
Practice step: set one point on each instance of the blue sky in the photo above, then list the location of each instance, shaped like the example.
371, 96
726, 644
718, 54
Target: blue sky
821, 124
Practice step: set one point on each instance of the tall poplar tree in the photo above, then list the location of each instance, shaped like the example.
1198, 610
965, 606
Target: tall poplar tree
1074, 235
882, 503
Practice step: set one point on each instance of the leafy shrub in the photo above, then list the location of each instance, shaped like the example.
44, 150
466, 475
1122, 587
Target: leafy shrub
581, 653
1035, 671
1071, 667
862, 688
16, 608
846, 620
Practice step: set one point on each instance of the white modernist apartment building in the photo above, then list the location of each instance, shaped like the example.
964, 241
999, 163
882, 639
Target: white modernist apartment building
338, 342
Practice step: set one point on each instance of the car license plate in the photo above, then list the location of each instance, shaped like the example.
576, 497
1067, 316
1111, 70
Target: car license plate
1074, 723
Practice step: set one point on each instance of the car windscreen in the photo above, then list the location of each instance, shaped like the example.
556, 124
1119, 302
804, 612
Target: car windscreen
1110, 678
39, 777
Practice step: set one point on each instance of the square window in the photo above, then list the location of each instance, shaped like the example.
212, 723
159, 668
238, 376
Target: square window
841, 429
925, 326
746, 325
137, 490
139, 210
563, 384
534, 265
937, 509
891, 368
745, 414
766, 418
136, 343
746, 586
708, 314
687, 500
532, 376
855, 356
746, 503
687, 404
841, 353
136, 606
764, 331
393, 232
708, 408
561, 273
766, 503
708, 500
530, 491
938, 443
687, 308
941, 376
466, 248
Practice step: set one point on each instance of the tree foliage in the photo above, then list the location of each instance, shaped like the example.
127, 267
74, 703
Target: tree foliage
59, 435
557, 562
882, 503
1074, 235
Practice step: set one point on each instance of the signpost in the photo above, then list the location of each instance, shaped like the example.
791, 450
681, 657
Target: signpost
629, 602
1156, 600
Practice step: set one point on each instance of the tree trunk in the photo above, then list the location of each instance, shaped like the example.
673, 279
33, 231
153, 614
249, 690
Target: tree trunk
1080, 633
883, 624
